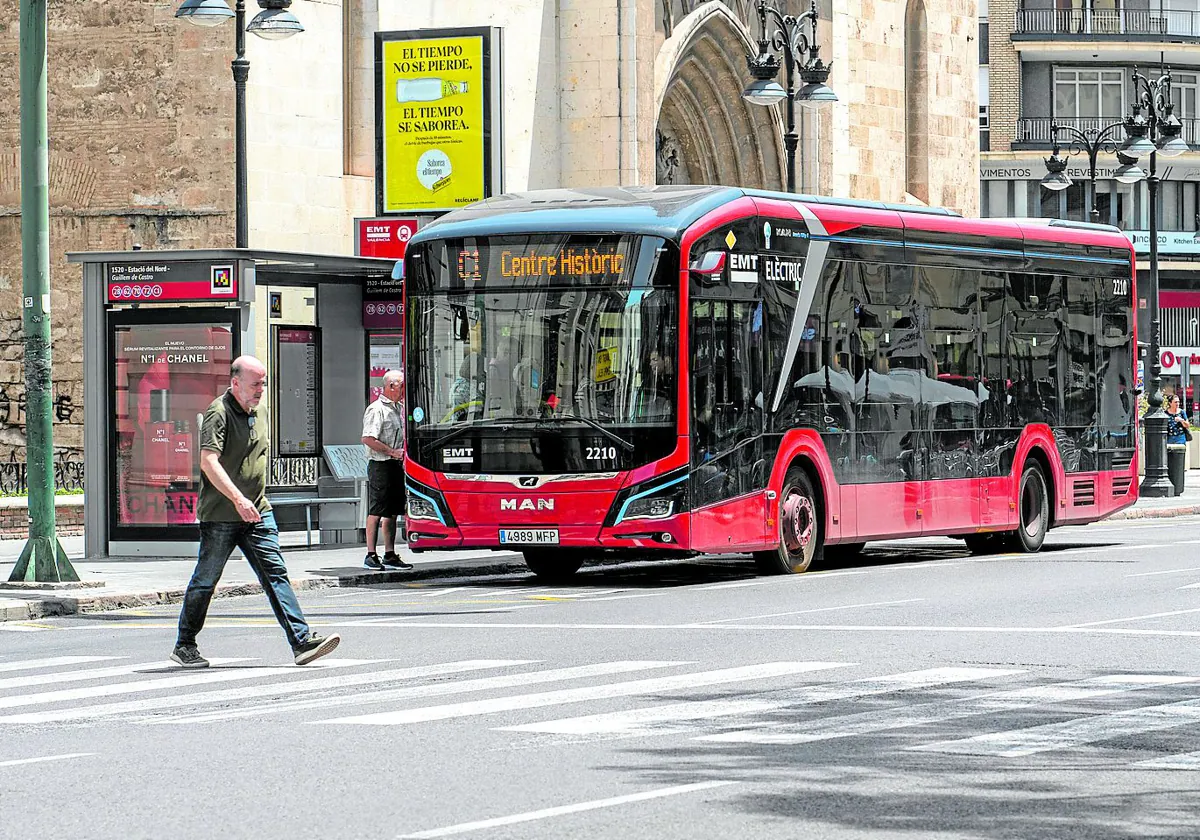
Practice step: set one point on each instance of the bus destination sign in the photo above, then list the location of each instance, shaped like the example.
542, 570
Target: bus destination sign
570, 262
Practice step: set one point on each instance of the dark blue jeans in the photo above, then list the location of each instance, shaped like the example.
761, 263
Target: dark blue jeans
259, 541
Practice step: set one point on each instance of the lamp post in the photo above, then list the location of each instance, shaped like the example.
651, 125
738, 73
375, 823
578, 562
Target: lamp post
273, 23
1155, 132
800, 52
1088, 141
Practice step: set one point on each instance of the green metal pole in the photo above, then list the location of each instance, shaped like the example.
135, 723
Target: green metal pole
43, 558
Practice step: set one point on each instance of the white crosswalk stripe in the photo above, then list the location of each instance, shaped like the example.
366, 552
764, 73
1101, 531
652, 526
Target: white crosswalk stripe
1073, 733
86, 674
644, 721
53, 662
579, 695
848, 726
158, 704
1185, 761
436, 690
185, 679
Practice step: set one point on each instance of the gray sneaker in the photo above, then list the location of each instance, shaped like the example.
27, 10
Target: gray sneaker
316, 647
188, 656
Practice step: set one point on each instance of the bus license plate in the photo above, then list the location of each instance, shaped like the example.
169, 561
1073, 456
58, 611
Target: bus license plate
529, 536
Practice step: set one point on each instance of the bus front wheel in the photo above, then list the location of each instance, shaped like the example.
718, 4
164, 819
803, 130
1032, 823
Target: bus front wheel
552, 565
800, 531
1033, 507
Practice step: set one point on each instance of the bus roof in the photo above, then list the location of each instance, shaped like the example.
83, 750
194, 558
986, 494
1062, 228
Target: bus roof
668, 211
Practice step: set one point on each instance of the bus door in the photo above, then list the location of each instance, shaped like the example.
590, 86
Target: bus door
729, 473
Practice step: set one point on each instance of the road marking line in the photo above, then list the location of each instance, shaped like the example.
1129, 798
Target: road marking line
640, 721
435, 690
1166, 572
579, 695
865, 723
530, 816
18, 761
1130, 618
187, 679
53, 662
1015, 743
1185, 761
1190, 586
155, 704
817, 610
806, 628
98, 673
12, 627
497, 592
438, 592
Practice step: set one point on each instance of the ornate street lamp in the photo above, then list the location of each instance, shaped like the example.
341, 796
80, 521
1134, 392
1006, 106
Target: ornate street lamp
800, 53
274, 22
1156, 132
1088, 141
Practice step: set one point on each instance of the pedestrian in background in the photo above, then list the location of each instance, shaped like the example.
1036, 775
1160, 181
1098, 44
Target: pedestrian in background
234, 512
1179, 430
383, 435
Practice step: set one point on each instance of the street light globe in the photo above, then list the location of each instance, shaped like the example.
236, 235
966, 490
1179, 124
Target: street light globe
764, 92
1057, 181
275, 24
1129, 173
1173, 147
816, 95
204, 12
1135, 147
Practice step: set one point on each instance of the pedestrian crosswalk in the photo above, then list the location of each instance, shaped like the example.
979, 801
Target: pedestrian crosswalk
993, 713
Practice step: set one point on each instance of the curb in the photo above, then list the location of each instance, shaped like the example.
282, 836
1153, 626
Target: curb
58, 606
1159, 513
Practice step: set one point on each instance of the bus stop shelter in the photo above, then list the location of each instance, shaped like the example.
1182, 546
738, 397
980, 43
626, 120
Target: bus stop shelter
160, 331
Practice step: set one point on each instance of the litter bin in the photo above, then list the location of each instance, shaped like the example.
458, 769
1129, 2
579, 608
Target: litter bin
1177, 465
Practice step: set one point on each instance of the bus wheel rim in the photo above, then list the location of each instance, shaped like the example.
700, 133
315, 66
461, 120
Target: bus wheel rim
1031, 507
798, 524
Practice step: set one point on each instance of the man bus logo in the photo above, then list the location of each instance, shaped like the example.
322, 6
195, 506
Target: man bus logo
528, 481
526, 504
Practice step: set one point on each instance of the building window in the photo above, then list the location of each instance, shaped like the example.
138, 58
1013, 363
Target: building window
1088, 94
1183, 93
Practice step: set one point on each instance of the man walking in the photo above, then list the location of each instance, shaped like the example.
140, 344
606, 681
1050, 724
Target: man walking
234, 512
383, 435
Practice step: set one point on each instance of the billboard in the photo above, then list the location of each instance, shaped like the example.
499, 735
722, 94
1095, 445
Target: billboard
437, 119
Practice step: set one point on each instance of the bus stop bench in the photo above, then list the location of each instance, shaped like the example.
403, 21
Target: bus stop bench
307, 503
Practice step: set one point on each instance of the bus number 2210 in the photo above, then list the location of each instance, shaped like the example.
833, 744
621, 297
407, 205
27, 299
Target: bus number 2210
601, 453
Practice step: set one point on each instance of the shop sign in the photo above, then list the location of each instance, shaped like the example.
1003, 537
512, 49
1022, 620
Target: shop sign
170, 282
1169, 242
1027, 169
1170, 359
383, 303
383, 237
437, 120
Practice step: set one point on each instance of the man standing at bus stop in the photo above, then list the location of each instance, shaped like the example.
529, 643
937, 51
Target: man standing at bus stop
383, 435
234, 512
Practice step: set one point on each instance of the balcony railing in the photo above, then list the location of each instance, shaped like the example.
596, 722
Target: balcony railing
1035, 131
1108, 22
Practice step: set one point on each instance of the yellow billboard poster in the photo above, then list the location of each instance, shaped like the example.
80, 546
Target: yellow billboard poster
434, 120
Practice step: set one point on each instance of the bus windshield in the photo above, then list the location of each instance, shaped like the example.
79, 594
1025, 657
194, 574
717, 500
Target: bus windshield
566, 329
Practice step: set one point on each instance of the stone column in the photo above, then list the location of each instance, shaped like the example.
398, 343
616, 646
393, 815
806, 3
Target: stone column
1004, 74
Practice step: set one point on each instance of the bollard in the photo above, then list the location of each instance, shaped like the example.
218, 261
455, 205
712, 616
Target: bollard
1177, 465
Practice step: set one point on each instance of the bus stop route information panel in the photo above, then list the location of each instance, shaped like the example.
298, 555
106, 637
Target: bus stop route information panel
347, 461
170, 281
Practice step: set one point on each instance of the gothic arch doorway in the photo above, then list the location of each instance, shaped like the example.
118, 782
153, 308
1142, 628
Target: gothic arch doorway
706, 132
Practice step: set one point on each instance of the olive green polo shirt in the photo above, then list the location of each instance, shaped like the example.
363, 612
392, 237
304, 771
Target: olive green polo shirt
241, 440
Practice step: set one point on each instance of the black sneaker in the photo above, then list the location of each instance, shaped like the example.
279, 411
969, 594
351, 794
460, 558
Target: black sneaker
392, 561
188, 656
316, 647
371, 561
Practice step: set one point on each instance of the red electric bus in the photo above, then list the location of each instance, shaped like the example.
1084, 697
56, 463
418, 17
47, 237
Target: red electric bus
708, 370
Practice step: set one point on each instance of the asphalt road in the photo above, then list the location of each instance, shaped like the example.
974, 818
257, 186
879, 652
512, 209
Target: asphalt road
918, 692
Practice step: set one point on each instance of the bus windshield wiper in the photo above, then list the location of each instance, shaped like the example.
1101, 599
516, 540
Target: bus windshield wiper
485, 421
611, 435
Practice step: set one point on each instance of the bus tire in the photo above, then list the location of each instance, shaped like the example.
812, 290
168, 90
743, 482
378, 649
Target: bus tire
555, 566
800, 529
1033, 510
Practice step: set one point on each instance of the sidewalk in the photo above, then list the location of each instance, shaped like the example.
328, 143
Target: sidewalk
140, 582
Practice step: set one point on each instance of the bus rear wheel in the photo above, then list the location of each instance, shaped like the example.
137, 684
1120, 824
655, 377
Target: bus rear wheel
554, 565
1033, 508
801, 535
